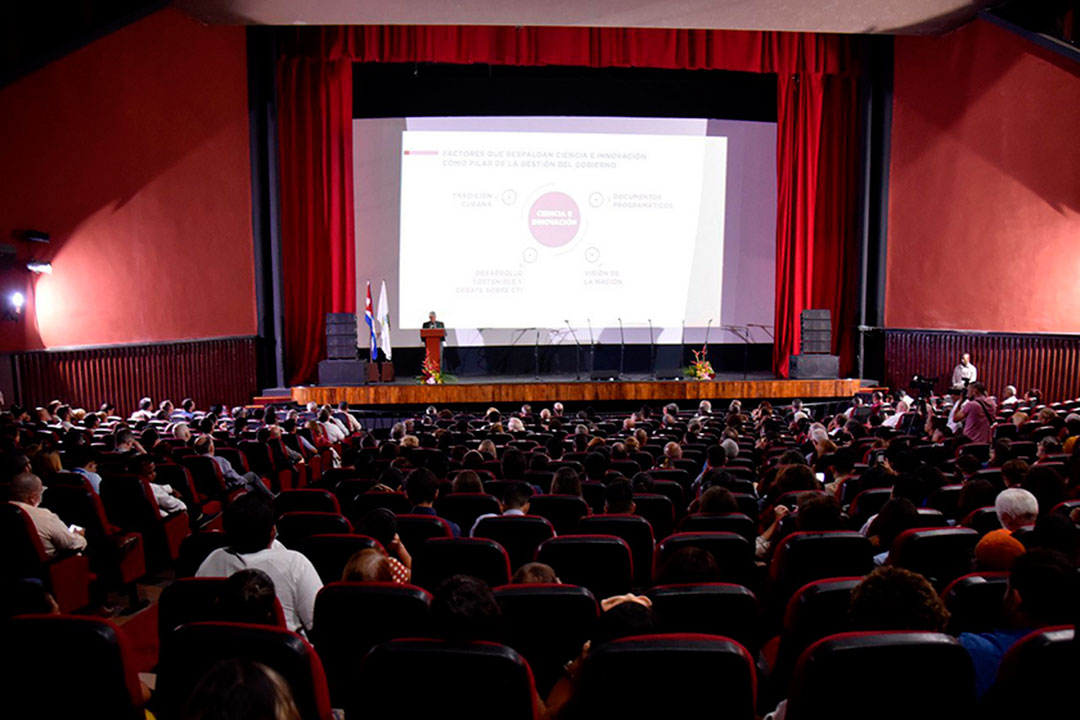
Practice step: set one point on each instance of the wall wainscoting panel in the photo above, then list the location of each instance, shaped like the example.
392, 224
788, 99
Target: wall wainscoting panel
217, 370
1050, 363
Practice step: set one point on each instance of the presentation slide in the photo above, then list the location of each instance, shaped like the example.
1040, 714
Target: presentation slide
516, 230
502, 224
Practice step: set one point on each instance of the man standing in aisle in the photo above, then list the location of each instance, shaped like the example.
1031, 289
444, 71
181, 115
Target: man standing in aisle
965, 373
977, 414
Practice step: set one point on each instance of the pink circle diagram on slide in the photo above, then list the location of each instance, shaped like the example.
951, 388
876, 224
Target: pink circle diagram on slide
554, 219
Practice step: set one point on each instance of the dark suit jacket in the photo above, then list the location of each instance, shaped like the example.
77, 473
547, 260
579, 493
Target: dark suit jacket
438, 324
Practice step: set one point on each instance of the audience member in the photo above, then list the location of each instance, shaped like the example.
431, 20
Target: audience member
57, 538
422, 489
1042, 591
240, 689
250, 543
534, 573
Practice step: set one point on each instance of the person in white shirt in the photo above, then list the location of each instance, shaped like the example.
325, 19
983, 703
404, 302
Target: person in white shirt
1009, 396
346, 418
893, 420
26, 492
334, 431
249, 533
166, 498
145, 411
965, 373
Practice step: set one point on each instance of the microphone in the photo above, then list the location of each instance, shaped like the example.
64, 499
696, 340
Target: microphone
577, 350
707, 328
622, 347
591, 340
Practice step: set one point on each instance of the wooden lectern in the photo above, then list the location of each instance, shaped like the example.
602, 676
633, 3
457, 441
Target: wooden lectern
432, 340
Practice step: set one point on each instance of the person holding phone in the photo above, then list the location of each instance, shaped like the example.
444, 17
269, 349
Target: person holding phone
26, 491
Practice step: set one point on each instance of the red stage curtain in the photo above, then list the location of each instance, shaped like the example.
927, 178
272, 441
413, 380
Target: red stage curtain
317, 249
817, 129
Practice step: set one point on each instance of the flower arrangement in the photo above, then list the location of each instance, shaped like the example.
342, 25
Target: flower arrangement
432, 374
701, 368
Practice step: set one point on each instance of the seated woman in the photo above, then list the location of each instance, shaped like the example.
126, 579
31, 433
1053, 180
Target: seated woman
380, 524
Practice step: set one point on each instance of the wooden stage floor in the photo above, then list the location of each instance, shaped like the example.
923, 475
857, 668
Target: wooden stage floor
493, 390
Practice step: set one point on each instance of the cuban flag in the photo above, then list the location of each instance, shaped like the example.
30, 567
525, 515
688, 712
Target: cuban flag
369, 315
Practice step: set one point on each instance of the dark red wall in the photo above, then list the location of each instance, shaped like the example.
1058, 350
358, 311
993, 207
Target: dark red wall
133, 153
984, 190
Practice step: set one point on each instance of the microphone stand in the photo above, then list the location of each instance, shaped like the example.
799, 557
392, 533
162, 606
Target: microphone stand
577, 351
622, 348
536, 354
592, 349
652, 349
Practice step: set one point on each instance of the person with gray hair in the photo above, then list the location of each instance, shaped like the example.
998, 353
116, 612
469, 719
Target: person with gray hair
1008, 396
26, 491
704, 408
731, 448
1016, 508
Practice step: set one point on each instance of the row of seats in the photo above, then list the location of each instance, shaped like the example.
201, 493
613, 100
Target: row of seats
690, 675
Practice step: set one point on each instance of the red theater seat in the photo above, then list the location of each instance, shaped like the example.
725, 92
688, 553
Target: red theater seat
479, 681
193, 649
668, 676
601, 563
96, 677
710, 608
548, 625
435, 560
841, 677
351, 618
68, 577
519, 535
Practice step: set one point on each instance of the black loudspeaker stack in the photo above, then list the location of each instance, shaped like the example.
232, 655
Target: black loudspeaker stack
815, 361
341, 366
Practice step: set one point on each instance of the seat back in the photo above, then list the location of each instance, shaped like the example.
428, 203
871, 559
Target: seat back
100, 669
193, 649
480, 681
602, 563
710, 608
415, 529
465, 508
187, 600
976, 602
437, 559
982, 520
360, 505
562, 511
519, 535
734, 555
738, 523
24, 556
933, 668
806, 556
195, 548
867, 503
306, 500
330, 552
688, 676
635, 531
79, 505
1037, 675
659, 510
345, 629
206, 474
816, 610
548, 625
293, 527
940, 555
129, 503
931, 518
945, 499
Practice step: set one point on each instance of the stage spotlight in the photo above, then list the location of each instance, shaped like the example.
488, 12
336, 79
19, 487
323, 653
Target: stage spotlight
14, 306
39, 267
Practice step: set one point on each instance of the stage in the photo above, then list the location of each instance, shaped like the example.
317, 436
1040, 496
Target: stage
484, 390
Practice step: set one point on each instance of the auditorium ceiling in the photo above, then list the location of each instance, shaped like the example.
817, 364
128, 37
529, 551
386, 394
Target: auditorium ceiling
919, 17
